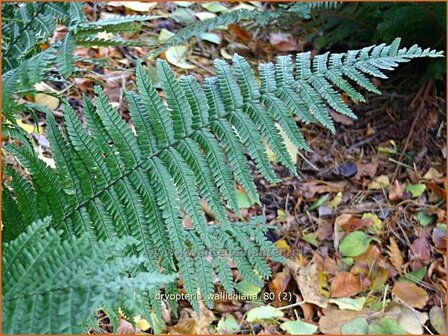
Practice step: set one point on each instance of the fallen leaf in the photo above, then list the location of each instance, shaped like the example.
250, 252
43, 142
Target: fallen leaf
186, 326
334, 318
205, 15
432, 174
322, 284
423, 218
416, 190
298, 327
379, 183
335, 201
395, 256
49, 101
210, 37
342, 119
377, 224
354, 244
355, 223
349, 303
410, 293
139, 6
283, 246
278, 286
345, 284
306, 278
125, 327
263, 313
228, 325
244, 201
439, 236
420, 249
437, 318
140, 323
164, 35
386, 326
284, 42
415, 276
409, 319
27, 127
176, 56
214, 7
366, 169
246, 288
310, 189
242, 34
183, 16
358, 326
184, 3
371, 265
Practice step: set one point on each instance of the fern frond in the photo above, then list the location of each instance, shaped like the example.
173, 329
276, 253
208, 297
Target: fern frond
65, 56
54, 285
188, 151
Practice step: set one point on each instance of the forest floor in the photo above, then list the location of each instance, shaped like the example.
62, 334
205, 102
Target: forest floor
377, 185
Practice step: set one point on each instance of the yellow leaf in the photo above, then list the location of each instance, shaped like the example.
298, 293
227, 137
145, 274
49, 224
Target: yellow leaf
335, 201
377, 223
282, 245
176, 56
379, 183
27, 127
140, 323
49, 101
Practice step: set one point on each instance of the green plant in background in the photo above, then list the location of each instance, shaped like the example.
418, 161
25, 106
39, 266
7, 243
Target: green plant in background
358, 23
111, 182
52, 286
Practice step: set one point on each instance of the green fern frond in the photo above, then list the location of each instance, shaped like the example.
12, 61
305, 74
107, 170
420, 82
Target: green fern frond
54, 285
188, 151
33, 24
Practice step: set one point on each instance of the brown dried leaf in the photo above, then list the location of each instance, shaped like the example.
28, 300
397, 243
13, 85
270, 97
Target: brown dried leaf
310, 189
278, 286
410, 293
366, 169
306, 278
396, 259
420, 249
187, 326
334, 318
239, 32
355, 223
125, 327
284, 42
345, 284
371, 265
342, 119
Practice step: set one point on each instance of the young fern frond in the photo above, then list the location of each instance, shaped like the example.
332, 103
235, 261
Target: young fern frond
191, 148
53, 286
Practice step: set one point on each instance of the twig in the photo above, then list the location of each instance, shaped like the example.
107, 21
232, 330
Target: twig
292, 305
414, 123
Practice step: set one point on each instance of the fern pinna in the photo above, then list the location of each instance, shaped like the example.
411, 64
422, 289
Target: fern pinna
114, 180
50, 285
